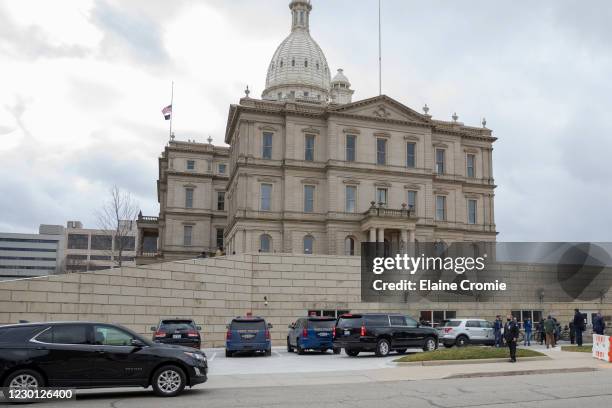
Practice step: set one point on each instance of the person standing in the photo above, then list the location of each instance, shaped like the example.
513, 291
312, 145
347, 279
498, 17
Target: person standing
511, 334
541, 331
549, 330
497, 328
527, 325
599, 325
572, 332
578, 326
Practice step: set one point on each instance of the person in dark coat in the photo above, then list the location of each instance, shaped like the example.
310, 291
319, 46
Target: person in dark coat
572, 332
541, 331
578, 326
511, 334
528, 327
599, 325
497, 329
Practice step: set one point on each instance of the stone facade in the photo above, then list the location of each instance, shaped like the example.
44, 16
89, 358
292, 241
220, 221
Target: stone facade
214, 290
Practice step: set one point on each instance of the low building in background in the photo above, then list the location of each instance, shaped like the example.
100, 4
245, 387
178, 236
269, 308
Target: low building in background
90, 249
29, 255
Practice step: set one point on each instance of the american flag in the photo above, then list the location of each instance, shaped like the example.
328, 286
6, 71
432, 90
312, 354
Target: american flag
167, 111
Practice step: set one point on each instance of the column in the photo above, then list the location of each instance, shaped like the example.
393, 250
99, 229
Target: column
372, 234
381, 235
412, 234
404, 241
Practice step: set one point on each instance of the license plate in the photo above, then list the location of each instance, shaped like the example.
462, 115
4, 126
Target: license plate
248, 336
323, 334
176, 336
347, 332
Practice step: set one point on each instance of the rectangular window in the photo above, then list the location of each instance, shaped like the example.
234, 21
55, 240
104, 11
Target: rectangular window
440, 208
412, 200
222, 168
350, 147
78, 241
471, 211
351, 195
309, 144
381, 151
220, 238
411, 155
309, 199
440, 161
221, 200
189, 198
470, 159
190, 164
187, 230
267, 146
126, 243
101, 242
209, 166
381, 196
266, 197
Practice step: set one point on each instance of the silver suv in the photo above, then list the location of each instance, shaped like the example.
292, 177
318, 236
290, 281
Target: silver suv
461, 332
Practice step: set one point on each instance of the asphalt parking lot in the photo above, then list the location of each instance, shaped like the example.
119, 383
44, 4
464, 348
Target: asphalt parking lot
283, 362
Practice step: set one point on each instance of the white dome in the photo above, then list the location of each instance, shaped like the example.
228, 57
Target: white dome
298, 65
340, 78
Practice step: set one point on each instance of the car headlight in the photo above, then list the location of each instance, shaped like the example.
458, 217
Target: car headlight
196, 356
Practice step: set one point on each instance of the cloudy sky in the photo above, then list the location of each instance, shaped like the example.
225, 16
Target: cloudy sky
82, 84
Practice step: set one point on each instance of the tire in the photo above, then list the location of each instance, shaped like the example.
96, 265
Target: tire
383, 348
299, 349
268, 352
430, 344
289, 348
24, 378
169, 381
401, 351
228, 353
323, 351
462, 341
337, 350
351, 353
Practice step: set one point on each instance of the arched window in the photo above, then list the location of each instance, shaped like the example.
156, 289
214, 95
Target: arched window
281, 63
317, 65
308, 244
349, 246
306, 63
265, 243
293, 62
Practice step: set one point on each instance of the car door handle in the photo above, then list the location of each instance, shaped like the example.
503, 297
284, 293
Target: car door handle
100, 351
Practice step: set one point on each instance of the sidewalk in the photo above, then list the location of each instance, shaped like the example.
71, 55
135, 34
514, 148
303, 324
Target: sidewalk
559, 362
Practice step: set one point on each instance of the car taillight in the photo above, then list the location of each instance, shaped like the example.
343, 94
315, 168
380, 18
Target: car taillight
363, 330
267, 334
192, 333
160, 334
228, 335
304, 333
334, 332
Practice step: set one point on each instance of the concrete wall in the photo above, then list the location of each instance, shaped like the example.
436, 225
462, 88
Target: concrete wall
214, 290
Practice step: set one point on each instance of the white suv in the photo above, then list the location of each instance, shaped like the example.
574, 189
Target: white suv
461, 332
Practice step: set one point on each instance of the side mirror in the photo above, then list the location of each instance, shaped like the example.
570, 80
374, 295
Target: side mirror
292, 326
199, 328
270, 325
137, 343
153, 328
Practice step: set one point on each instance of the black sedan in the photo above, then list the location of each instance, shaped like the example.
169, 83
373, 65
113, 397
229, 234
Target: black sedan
92, 355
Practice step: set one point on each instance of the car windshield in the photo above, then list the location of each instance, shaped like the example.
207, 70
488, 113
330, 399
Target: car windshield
452, 323
347, 322
248, 325
321, 324
174, 325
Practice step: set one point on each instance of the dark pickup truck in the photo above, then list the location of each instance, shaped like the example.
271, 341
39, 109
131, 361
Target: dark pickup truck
382, 332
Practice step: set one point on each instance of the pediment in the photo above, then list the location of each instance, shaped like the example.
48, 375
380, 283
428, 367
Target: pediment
383, 108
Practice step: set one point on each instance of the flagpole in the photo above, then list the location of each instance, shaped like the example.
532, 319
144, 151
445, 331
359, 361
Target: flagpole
171, 109
379, 52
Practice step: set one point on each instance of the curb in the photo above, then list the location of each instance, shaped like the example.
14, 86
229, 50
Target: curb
524, 372
473, 361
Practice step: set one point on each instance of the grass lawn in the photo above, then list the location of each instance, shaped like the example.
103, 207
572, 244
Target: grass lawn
467, 353
578, 349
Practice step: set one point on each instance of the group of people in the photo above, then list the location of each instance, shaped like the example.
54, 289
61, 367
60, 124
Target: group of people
549, 331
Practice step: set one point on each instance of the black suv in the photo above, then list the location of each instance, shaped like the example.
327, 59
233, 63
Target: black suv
382, 333
183, 332
91, 355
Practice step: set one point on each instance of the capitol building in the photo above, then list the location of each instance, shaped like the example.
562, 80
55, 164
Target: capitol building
309, 170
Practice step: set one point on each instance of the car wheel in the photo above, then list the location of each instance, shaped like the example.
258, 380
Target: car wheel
269, 352
289, 348
430, 344
169, 381
462, 341
351, 353
337, 350
401, 351
300, 350
383, 348
24, 380
228, 353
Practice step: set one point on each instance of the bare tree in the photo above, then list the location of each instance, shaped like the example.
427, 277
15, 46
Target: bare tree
116, 218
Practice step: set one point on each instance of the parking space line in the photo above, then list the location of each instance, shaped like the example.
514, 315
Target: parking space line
277, 353
213, 356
